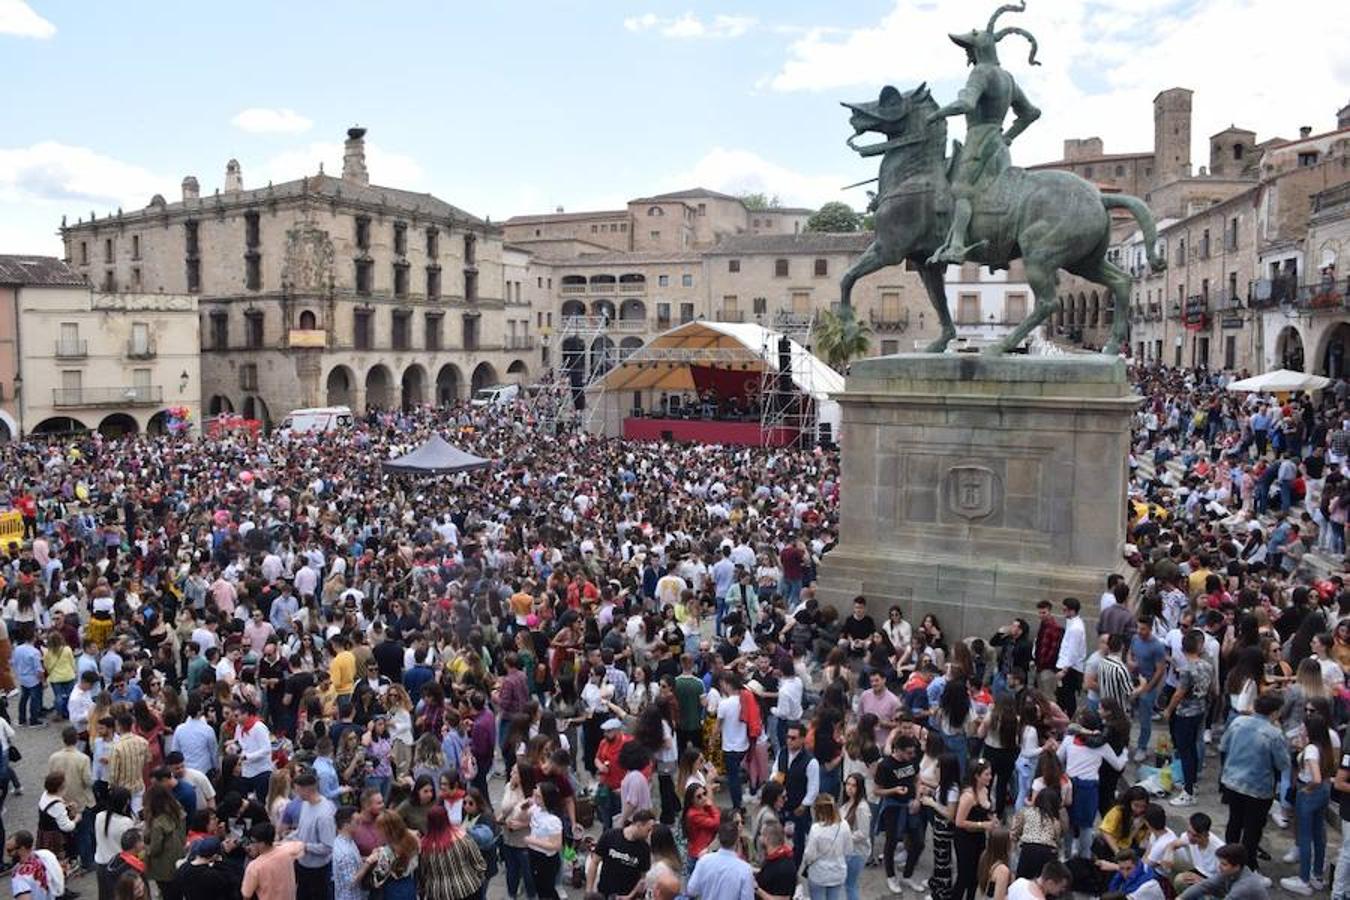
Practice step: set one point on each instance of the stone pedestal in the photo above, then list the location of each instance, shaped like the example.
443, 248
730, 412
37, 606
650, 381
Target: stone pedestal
975, 486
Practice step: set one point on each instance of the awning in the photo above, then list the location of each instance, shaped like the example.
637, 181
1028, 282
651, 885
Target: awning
1281, 381
435, 457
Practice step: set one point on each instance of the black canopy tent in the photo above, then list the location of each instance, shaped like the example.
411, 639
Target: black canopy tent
435, 457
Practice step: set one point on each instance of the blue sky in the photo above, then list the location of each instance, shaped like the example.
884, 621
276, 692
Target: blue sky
515, 107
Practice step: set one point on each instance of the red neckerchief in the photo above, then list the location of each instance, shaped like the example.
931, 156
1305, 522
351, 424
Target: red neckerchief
247, 725
132, 860
778, 853
34, 869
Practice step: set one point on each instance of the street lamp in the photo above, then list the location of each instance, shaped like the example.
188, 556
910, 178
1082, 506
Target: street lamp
183, 381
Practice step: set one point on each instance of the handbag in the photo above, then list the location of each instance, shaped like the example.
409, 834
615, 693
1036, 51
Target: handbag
14, 754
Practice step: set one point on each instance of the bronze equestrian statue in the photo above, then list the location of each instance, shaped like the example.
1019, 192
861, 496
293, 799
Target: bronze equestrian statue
932, 212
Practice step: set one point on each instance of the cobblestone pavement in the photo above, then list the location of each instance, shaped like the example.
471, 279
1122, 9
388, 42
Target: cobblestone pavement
38, 743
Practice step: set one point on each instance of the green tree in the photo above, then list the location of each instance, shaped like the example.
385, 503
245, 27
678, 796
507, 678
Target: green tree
758, 200
834, 216
841, 336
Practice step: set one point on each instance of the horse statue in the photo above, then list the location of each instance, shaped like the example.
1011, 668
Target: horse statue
1050, 220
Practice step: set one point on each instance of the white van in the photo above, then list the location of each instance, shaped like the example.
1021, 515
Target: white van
496, 395
321, 419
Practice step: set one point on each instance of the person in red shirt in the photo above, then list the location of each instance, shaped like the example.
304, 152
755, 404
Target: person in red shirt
27, 507
792, 558
611, 773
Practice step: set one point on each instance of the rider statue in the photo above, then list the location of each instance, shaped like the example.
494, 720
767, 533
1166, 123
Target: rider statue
984, 101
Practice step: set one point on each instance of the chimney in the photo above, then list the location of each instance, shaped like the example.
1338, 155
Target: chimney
1343, 117
234, 178
558, 210
354, 157
1304, 131
190, 189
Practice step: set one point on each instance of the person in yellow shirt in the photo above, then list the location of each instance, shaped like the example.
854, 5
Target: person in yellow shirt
59, 661
342, 671
1195, 582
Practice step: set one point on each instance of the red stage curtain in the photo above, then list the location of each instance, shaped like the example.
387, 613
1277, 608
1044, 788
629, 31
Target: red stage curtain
727, 384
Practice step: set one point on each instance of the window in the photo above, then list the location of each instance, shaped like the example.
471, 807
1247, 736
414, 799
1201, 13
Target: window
1230, 352
140, 339
1014, 308
470, 332
399, 330
252, 229
1232, 288
361, 336
194, 276
1237, 154
69, 342
84, 253
253, 329
1204, 289
822, 268
890, 306
663, 280
363, 232
136, 278
760, 305
780, 268
890, 348
470, 249
1231, 239
434, 324
968, 309
253, 271
190, 238
135, 246
401, 238
108, 251
655, 235
140, 380
1181, 251
686, 280
248, 377
1305, 160
655, 211
1087, 172
595, 229
1204, 244
470, 285
400, 279
307, 320
110, 280
703, 209
364, 269
733, 265
662, 315
623, 227
1120, 171
433, 283
801, 302
72, 384
220, 330
433, 243
730, 308
686, 312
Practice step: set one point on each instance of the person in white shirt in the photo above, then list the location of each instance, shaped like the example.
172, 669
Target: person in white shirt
81, 702
254, 746
1082, 757
1072, 661
735, 734
1193, 857
788, 707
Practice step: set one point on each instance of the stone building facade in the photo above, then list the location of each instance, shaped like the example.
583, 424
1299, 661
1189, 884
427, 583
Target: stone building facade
322, 290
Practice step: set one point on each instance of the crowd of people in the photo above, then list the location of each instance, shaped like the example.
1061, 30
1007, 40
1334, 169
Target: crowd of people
601, 666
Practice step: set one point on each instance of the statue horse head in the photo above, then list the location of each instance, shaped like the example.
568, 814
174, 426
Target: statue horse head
901, 117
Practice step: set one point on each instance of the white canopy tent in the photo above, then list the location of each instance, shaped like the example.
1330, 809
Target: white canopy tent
1281, 381
663, 364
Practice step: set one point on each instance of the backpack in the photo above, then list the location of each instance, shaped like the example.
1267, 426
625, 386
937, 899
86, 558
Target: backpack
754, 725
488, 843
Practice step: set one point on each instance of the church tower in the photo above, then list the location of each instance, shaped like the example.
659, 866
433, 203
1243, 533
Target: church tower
1171, 135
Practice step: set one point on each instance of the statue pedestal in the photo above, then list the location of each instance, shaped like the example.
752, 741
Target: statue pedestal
975, 486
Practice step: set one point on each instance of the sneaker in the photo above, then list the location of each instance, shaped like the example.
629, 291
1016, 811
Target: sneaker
1264, 879
18, 790
1207, 736
917, 885
893, 884
1278, 817
1295, 885
1182, 799
1290, 855
1317, 884
1140, 754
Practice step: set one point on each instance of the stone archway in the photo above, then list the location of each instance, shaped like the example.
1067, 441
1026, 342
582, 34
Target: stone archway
338, 387
520, 371
379, 388
447, 385
1289, 349
118, 425
484, 375
255, 408
59, 425
219, 405
414, 392
1333, 357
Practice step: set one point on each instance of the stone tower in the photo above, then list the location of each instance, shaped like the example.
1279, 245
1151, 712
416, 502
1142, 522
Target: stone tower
354, 157
234, 177
1171, 135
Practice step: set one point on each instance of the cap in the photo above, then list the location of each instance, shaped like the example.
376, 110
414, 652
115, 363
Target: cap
204, 847
611, 725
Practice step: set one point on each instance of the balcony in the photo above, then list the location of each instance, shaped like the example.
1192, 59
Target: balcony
1228, 300
307, 338
572, 289
519, 342
141, 349
128, 395
663, 323
629, 324
603, 287
729, 315
1326, 294
72, 349
632, 287
894, 322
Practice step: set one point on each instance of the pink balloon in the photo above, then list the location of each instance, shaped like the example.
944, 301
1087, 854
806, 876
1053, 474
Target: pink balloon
246, 476
222, 517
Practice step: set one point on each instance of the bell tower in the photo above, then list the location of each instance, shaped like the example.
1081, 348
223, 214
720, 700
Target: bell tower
1171, 135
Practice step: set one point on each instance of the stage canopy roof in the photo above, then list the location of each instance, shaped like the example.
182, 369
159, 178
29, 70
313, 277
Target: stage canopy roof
435, 457
664, 363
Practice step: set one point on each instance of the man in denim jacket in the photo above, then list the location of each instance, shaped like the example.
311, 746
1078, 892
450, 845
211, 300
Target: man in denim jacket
1256, 753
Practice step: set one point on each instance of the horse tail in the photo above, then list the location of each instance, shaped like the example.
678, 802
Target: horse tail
1144, 217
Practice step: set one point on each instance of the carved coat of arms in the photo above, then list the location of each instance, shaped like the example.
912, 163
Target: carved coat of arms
970, 491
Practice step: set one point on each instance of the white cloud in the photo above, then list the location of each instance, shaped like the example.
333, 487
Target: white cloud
74, 178
18, 18
1102, 65
396, 170
737, 171
264, 120
689, 25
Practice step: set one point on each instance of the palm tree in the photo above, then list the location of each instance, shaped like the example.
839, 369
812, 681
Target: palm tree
841, 336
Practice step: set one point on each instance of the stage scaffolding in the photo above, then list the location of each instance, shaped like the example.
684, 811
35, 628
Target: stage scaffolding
785, 404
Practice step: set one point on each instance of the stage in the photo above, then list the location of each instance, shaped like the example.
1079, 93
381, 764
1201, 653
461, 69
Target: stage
707, 431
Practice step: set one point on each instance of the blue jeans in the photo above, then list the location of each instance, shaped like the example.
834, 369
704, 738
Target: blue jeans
1310, 807
30, 699
1143, 711
792, 591
821, 892
734, 760
855, 867
832, 781
1186, 738
84, 839
518, 873
960, 748
61, 697
380, 783
1025, 767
